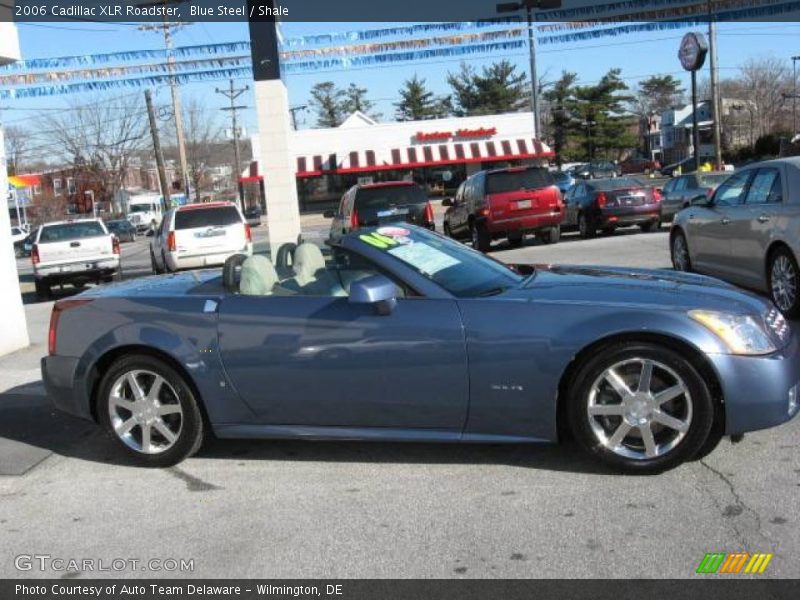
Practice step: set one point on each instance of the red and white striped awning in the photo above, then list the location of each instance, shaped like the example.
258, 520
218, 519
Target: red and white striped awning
424, 155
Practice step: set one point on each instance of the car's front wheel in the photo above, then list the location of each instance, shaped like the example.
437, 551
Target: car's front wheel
679, 252
150, 410
640, 407
586, 226
551, 235
784, 282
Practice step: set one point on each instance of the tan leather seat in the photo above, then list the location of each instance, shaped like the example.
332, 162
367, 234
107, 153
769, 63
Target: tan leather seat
258, 276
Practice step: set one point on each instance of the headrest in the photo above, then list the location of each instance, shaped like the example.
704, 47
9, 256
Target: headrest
258, 276
308, 260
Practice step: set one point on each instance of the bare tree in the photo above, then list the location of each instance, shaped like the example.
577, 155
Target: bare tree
764, 81
201, 132
99, 138
16, 148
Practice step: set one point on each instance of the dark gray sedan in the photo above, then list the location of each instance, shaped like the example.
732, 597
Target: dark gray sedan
680, 191
407, 335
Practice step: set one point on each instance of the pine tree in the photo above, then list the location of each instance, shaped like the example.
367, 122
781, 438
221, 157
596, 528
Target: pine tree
417, 103
327, 102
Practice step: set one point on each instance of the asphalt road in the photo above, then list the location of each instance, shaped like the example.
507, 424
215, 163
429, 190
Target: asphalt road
300, 509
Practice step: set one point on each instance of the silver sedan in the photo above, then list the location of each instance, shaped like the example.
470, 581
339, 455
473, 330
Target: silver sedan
747, 232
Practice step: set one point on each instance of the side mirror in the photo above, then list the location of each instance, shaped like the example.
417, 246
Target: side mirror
448, 202
329, 214
376, 290
701, 200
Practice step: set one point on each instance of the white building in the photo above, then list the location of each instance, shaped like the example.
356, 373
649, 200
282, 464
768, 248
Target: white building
437, 153
14, 329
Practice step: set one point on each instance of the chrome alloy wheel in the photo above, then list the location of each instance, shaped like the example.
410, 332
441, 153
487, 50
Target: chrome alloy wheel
783, 280
145, 412
680, 254
639, 409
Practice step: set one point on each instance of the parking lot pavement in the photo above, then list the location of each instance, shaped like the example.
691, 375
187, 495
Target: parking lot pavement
297, 509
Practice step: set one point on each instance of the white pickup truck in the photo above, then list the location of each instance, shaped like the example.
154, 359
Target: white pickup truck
76, 252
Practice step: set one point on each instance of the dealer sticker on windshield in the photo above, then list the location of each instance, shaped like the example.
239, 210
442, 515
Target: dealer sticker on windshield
426, 259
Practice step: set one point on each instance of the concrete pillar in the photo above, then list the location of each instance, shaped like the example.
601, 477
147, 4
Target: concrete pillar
275, 162
13, 328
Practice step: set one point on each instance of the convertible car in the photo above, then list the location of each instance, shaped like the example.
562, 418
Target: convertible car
403, 334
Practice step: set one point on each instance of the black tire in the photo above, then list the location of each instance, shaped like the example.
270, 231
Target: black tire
681, 259
191, 429
784, 281
154, 266
551, 235
481, 240
609, 231
42, 290
590, 374
164, 262
446, 230
586, 226
651, 226
515, 241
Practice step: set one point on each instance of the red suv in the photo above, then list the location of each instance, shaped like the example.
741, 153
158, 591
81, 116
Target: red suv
505, 203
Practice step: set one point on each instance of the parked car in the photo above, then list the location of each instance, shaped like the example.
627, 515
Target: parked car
687, 165
18, 234
505, 203
365, 205
606, 204
563, 181
596, 170
252, 215
123, 229
747, 232
74, 252
430, 340
195, 236
639, 165
678, 192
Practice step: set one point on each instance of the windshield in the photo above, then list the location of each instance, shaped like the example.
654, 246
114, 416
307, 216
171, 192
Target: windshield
618, 183
382, 196
137, 208
518, 179
462, 271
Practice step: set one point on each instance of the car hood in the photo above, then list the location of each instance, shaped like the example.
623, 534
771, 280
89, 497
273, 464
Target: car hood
659, 289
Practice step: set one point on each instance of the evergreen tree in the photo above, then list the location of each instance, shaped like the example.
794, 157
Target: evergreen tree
417, 103
559, 97
354, 99
657, 94
327, 102
497, 89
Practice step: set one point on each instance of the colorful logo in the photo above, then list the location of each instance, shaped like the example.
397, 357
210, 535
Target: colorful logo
734, 563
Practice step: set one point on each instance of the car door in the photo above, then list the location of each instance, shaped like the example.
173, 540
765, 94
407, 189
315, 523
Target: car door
321, 361
751, 227
708, 226
571, 205
457, 218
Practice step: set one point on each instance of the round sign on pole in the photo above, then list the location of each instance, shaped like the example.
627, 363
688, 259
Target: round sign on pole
693, 50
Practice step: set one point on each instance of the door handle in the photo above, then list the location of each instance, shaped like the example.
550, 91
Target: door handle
763, 219
725, 221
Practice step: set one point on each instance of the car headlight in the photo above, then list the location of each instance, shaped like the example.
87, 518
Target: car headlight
743, 334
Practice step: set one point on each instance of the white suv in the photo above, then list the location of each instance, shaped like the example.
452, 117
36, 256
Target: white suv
199, 235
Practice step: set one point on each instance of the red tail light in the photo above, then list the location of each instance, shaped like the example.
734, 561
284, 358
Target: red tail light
657, 195
115, 245
485, 212
601, 199
58, 308
354, 219
171, 245
248, 234
35, 254
428, 213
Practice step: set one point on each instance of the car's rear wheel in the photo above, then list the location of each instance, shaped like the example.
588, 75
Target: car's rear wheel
679, 252
446, 230
640, 408
550, 235
150, 410
586, 226
481, 240
784, 282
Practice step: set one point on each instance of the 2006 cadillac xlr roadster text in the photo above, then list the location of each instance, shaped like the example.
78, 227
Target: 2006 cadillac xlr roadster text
402, 334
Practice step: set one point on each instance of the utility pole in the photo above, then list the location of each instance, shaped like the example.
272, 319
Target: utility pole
232, 94
167, 27
794, 94
715, 101
292, 111
162, 174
